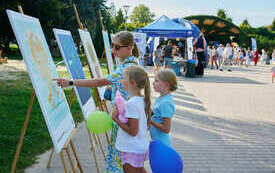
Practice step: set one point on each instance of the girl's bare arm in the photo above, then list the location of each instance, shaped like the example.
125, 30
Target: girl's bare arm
165, 126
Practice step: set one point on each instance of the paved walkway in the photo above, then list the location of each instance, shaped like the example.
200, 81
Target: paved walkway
225, 122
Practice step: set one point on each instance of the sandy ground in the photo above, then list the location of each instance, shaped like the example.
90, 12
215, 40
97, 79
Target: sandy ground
224, 122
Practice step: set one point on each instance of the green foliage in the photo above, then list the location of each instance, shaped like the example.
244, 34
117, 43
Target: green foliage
245, 24
141, 14
273, 25
222, 14
118, 21
58, 14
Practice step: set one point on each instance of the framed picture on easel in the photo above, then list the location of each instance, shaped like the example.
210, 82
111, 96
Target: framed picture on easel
108, 52
42, 71
92, 58
69, 53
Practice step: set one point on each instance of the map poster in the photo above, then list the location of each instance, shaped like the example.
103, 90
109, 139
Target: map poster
108, 51
92, 58
69, 53
41, 68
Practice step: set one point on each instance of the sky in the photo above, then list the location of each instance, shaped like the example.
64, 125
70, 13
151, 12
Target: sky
257, 12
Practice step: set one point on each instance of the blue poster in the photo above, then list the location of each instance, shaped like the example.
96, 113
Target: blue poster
42, 71
69, 53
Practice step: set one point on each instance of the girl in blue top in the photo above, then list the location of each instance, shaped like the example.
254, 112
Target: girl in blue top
164, 108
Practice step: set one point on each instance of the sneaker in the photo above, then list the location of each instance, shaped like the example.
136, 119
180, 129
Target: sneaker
229, 70
221, 69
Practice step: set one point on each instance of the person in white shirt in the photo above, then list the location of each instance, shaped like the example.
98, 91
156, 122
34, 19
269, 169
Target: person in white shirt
227, 54
132, 139
220, 52
273, 56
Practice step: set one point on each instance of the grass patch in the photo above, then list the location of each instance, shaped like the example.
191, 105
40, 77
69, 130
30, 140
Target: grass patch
14, 100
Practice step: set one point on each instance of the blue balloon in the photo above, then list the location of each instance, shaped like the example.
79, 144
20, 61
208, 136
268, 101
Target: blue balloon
164, 159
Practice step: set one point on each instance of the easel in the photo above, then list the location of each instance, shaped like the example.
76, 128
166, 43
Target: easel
99, 101
65, 148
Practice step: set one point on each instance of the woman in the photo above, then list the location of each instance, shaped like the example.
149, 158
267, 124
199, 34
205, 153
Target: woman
256, 57
157, 56
200, 44
122, 47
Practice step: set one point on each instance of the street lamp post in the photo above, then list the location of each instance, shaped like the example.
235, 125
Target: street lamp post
126, 9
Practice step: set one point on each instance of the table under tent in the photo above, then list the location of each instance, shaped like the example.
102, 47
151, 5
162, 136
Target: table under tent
164, 27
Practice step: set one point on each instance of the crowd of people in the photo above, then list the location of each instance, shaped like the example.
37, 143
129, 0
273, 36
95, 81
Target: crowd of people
221, 56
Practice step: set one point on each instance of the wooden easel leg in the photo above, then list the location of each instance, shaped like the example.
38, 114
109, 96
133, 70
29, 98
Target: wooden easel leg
70, 159
26, 122
105, 106
63, 162
50, 158
76, 157
107, 138
95, 139
101, 147
93, 150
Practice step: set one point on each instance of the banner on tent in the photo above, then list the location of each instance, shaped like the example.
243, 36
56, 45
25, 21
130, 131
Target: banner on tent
190, 47
140, 39
42, 71
92, 58
70, 55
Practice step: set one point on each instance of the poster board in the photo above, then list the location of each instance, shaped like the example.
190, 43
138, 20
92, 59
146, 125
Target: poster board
92, 58
41, 69
190, 47
140, 39
69, 53
108, 51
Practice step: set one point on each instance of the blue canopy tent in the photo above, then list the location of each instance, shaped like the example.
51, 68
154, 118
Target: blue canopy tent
188, 24
165, 27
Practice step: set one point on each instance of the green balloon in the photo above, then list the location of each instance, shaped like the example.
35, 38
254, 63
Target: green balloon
99, 122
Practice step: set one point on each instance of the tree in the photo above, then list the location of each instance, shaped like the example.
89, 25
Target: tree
222, 14
142, 14
245, 24
273, 25
58, 14
117, 21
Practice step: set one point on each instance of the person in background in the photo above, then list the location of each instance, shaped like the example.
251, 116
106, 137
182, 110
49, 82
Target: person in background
227, 54
273, 56
255, 57
220, 57
157, 56
168, 55
209, 55
273, 73
214, 55
200, 46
